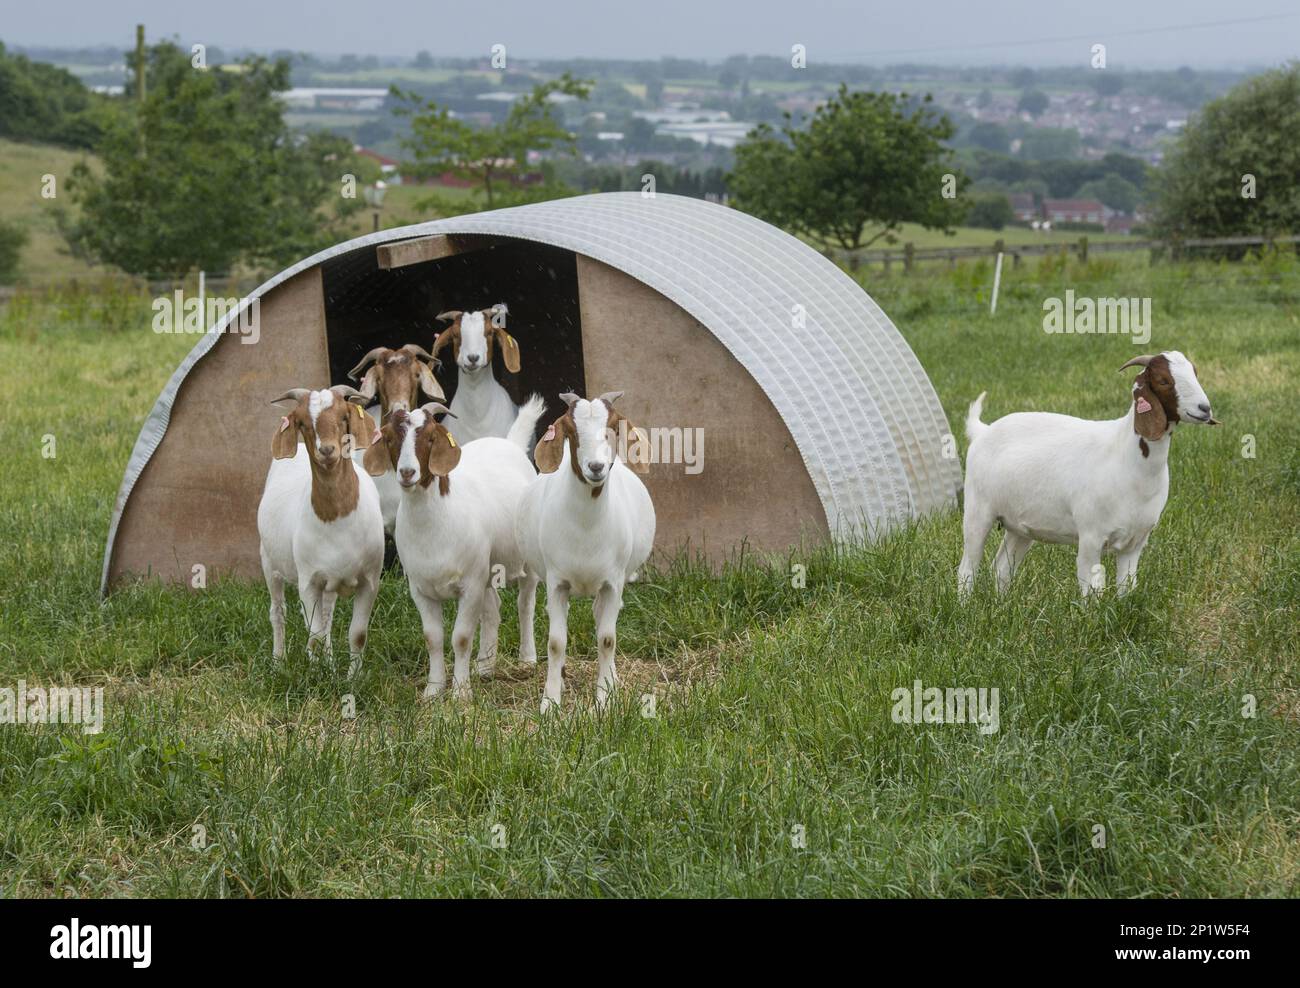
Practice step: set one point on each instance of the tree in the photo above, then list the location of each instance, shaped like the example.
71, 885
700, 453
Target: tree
12, 240
1233, 170
1107, 82
863, 166
990, 136
991, 211
205, 174
1033, 102
1046, 143
40, 102
1113, 191
495, 157
423, 60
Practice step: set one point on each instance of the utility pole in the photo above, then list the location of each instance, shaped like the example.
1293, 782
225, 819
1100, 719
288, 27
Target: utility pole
139, 63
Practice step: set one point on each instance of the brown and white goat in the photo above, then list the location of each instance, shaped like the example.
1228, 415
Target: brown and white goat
481, 407
396, 377
1098, 485
319, 522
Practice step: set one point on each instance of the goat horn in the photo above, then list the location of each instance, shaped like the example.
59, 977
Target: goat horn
609, 397
449, 315
1138, 361
437, 408
373, 355
418, 351
293, 394
348, 392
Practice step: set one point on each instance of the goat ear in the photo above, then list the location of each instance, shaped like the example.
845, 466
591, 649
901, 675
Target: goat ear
284, 445
376, 461
632, 442
449, 335
637, 453
509, 350
362, 427
549, 451
444, 452
370, 383
429, 384
1149, 419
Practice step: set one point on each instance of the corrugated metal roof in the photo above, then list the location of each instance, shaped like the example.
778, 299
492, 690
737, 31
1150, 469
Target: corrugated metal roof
858, 404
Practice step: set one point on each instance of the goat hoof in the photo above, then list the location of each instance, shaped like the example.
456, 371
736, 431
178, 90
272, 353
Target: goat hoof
433, 690
549, 705
486, 671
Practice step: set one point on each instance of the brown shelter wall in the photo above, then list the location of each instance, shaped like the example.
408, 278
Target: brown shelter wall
196, 500
675, 373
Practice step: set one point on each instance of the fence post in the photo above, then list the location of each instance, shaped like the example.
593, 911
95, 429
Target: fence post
909, 257
886, 260
1083, 248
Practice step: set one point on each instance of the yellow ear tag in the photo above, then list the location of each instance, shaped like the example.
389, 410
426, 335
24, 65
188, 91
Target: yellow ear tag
451, 439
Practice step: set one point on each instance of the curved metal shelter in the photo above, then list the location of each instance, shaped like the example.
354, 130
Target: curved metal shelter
667, 292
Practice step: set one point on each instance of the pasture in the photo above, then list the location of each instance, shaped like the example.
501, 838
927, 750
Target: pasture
771, 764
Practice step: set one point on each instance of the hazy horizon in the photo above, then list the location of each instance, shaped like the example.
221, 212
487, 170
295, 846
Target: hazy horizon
1164, 34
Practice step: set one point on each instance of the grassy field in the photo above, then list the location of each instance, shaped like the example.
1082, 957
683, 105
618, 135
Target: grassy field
45, 258
772, 765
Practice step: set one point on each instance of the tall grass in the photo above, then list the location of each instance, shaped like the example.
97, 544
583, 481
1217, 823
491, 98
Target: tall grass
1123, 765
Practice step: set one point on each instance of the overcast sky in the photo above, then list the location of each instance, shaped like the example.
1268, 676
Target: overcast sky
1138, 33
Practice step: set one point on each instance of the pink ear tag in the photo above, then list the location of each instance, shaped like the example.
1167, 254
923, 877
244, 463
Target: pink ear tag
284, 423
550, 434
1143, 405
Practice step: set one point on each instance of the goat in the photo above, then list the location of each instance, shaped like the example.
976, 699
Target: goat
319, 522
586, 530
1098, 485
452, 535
481, 406
397, 377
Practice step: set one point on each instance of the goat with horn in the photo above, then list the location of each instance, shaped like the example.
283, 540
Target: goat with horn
1098, 485
319, 522
396, 378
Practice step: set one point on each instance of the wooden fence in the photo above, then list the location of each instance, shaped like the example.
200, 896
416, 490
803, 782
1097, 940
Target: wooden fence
909, 255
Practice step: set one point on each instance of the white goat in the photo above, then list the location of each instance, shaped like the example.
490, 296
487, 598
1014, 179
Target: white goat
319, 520
453, 534
587, 529
397, 377
1098, 485
481, 406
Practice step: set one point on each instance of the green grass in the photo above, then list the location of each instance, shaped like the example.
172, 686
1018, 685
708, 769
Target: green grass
773, 701
45, 258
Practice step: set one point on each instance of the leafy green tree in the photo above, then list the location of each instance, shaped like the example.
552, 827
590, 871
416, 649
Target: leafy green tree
12, 240
1113, 191
40, 102
495, 158
1204, 188
863, 166
991, 211
1033, 102
205, 174
1107, 82
990, 136
1046, 143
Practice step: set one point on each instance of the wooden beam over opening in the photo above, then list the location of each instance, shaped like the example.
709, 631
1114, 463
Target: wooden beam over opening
422, 249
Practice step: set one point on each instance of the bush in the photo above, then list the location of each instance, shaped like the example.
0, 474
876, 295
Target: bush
991, 211
1204, 190
12, 240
